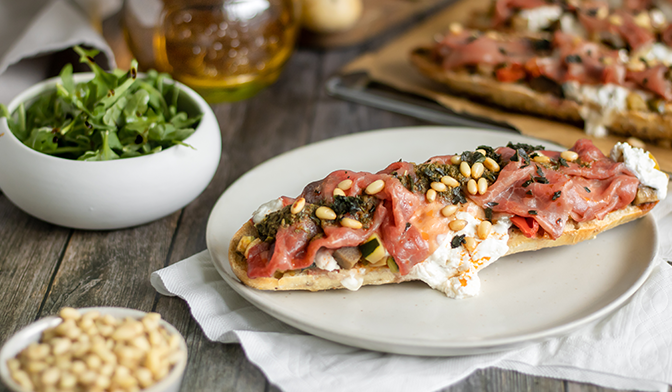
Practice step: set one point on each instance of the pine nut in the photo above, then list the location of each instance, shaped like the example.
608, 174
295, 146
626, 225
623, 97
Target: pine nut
455, 159
93, 361
141, 343
457, 225
449, 210
375, 187
153, 361
351, 223
338, 192
69, 314
110, 320
325, 213
22, 379
541, 159
150, 324
455, 28
92, 315
482, 185
616, 20
491, 164
438, 186
569, 156
108, 330
51, 376
472, 187
465, 169
60, 346
102, 382
88, 377
86, 323
470, 244
450, 181
484, 229
482, 151
477, 170
37, 351
68, 381
107, 369
298, 205
36, 367
174, 342
13, 364
126, 332
93, 331
78, 367
430, 195
144, 377
345, 184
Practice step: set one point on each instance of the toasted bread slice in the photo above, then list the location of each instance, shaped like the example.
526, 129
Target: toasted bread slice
314, 279
646, 125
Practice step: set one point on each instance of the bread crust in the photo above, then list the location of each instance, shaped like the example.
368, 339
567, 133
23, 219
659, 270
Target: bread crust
313, 279
640, 124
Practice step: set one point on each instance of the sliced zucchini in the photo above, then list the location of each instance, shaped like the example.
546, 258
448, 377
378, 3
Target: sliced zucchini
373, 250
244, 243
392, 265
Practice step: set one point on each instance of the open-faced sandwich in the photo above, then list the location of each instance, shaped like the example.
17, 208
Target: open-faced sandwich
562, 77
444, 220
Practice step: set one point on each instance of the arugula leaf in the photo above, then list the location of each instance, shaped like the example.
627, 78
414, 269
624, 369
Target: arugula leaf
114, 115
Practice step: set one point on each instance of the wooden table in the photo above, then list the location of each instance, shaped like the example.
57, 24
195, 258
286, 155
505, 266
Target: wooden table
45, 267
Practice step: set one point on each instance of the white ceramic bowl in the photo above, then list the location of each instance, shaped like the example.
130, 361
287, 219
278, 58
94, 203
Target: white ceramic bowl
109, 194
33, 332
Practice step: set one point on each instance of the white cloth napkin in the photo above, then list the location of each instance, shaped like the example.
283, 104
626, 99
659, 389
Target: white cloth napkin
629, 349
32, 28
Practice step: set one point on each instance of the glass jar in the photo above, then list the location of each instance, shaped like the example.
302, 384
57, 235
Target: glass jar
227, 50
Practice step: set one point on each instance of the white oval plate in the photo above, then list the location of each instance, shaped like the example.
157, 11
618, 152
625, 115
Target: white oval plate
524, 298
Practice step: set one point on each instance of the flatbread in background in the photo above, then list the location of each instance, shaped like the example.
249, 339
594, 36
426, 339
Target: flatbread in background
391, 66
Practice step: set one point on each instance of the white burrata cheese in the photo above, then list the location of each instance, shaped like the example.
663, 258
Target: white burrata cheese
265, 209
642, 165
541, 17
656, 52
570, 25
454, 270
353, 282
603, 102
324, 260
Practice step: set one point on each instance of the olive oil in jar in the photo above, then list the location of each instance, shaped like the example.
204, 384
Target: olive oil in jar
226, 50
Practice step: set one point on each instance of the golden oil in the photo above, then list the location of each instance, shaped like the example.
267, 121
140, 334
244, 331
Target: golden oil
226, 50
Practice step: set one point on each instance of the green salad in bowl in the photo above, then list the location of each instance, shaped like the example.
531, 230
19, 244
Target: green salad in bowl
65, 140
113, 115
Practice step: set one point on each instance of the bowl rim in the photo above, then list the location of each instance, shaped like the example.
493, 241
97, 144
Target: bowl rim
44, 85
28, 333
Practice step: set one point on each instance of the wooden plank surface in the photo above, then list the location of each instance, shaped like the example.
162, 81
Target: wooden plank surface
44, 267
377, 17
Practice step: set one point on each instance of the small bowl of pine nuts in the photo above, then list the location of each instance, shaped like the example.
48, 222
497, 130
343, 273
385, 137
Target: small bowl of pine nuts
95, 349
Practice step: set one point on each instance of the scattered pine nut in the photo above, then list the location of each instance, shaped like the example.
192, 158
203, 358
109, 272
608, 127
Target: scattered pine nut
351, 223
449, 210
375, 187
472, 187
569, 156
345, 184
298, 205
457, 224
325, 213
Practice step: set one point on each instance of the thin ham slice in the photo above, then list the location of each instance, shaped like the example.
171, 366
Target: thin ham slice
586, 192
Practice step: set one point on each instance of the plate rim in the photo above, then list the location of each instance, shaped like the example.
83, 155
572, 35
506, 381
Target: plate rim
408, 348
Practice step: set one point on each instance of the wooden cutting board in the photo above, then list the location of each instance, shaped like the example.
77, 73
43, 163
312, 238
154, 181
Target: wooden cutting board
377, 16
